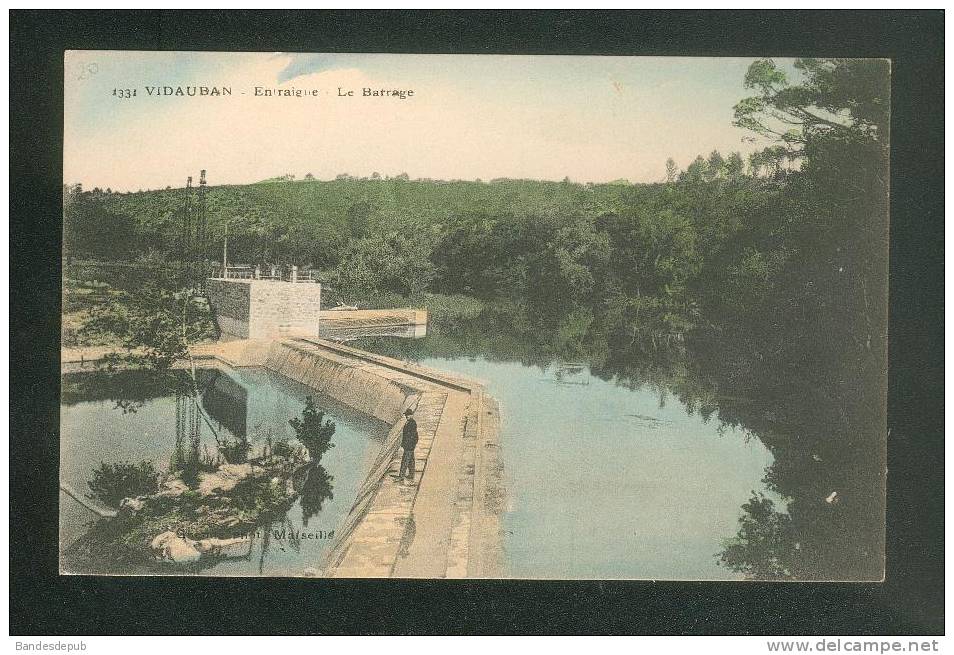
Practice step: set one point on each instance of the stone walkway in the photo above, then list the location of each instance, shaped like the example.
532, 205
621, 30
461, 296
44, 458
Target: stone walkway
435, 509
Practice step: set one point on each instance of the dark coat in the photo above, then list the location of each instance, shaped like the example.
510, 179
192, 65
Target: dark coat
409, 434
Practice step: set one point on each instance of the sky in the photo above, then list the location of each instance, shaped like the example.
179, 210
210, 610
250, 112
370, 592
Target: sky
592, 119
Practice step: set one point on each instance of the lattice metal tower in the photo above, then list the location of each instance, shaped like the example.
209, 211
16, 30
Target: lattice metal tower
194, 240
185, 242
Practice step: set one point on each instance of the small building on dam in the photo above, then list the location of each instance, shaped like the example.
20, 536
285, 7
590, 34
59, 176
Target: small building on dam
264, 308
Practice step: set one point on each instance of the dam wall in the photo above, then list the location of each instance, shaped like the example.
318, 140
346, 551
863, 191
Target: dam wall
329, 369
361, 388
365, 318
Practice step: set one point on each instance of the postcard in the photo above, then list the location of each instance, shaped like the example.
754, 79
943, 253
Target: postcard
474, 316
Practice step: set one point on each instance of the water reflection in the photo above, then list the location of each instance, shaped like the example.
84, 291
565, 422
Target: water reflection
314, 485
128, 391
818, 512
225, 400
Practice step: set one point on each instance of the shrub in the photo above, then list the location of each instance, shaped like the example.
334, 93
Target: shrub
113, 482
282, 448
235, 452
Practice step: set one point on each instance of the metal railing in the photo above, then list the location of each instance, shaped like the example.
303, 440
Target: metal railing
276, 273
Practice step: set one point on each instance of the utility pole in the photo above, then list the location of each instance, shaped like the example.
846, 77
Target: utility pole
225, 253
203, 220
187, 222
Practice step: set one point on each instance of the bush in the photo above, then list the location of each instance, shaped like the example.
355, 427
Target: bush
235, 452
282, 448
113, 482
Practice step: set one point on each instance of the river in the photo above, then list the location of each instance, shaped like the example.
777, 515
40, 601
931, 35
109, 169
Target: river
717, 454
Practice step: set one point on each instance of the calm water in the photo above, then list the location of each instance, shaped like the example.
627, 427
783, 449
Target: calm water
610, 482
132, 418
735, 450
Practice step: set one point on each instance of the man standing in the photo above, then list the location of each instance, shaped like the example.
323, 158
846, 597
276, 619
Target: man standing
408, 443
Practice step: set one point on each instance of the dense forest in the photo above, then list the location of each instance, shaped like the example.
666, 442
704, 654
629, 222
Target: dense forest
766, 276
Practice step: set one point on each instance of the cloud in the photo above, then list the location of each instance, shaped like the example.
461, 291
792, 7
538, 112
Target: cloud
305, 64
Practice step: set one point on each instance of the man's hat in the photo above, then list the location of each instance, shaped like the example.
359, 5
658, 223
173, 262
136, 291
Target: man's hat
408, 411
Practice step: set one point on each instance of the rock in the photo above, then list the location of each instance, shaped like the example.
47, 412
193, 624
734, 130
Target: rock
237, 471
173, 548
173, 488
228, 547
224, 478
311, 572
132, 505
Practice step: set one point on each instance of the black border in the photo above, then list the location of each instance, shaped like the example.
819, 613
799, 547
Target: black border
909, 602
